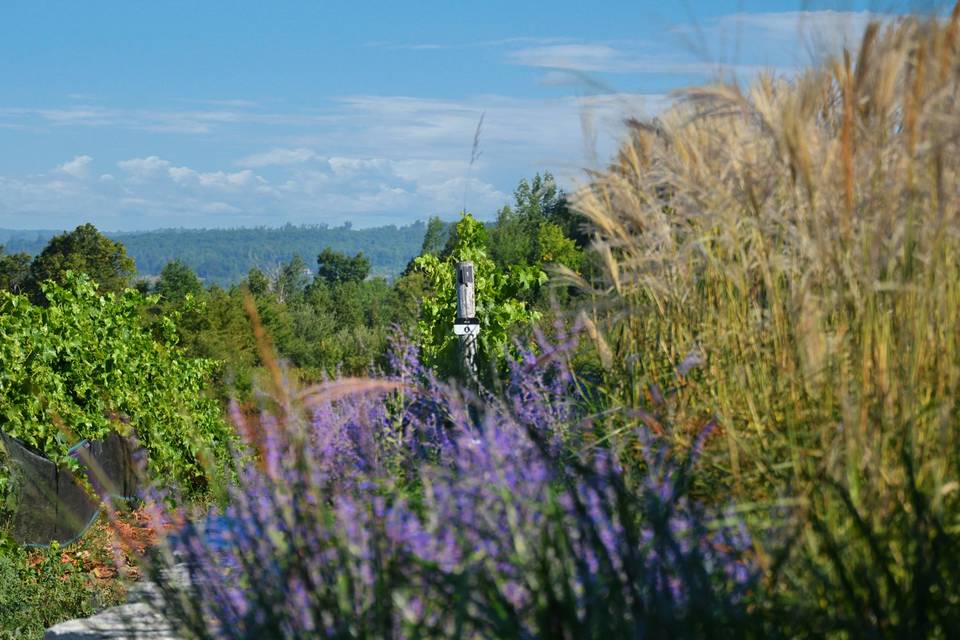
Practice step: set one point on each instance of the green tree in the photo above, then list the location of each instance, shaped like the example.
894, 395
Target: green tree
538, 198
553, 246
435, 238
292, 280
257, 282
14, 271
177, 281
410, 290
514, 239
334, 267
83, 250
479, 233
222, 333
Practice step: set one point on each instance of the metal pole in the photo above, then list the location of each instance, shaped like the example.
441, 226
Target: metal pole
466, 325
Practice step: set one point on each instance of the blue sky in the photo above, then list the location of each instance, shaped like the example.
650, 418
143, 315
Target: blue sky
133, 114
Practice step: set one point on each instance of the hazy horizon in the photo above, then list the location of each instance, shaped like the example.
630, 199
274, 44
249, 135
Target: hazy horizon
268, 227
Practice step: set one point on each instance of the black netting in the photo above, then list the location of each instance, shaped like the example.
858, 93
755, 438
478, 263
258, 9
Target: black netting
34, 480
50, 503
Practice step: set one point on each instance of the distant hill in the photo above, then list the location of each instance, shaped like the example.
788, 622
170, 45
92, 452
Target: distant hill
32, 241
224, 256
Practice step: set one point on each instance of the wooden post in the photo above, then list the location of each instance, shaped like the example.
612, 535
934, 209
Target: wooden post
466, 326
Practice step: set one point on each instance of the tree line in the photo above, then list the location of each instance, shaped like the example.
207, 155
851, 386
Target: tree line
223, 256
329, 312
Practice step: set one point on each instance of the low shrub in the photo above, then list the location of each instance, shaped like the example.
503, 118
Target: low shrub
38, 590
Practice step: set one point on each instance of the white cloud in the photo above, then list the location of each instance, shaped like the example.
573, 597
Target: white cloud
450, 195
142, 168
152, 191
230, 102
349, 167
186, 176
220, 207
182, 175
381, 185
196, 121
79, 167
573, 57
435, 46
278, 157
156, 169
419, 169
519, 136
740, 43
75, 115
370, 159
795, 37
567, 64
841, 27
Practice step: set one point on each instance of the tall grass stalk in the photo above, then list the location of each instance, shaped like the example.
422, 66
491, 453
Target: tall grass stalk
804, 235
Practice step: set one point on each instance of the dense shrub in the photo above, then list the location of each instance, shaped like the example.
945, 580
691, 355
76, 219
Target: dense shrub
84, 365
423, 512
